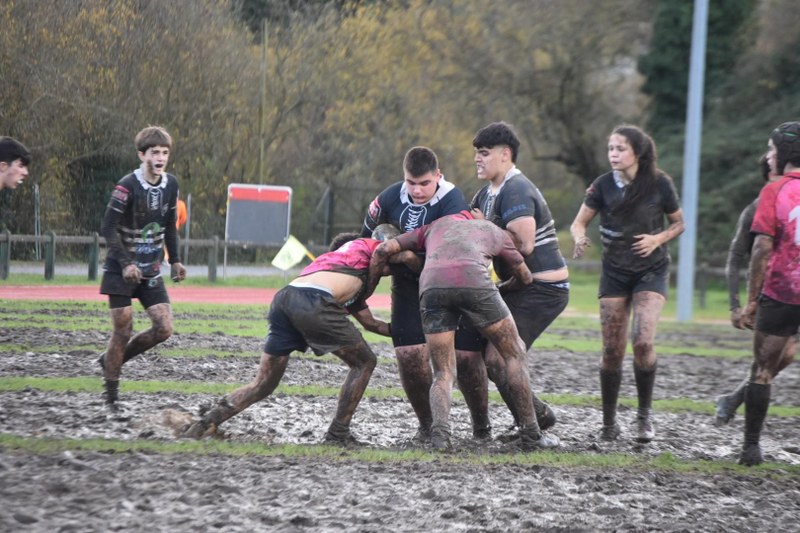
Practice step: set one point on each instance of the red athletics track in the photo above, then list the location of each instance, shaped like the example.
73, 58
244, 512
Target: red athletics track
177, 294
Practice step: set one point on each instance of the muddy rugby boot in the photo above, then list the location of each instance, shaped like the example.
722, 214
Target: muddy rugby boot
751, 455
610, 432
199, 429
531, 440
727, 404
482, 433
644, 428
339, 434
440, 437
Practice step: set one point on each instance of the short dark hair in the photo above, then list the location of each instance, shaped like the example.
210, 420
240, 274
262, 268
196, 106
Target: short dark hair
497, 134
341, 239
11, 150
420, 160
786, 139
152, 136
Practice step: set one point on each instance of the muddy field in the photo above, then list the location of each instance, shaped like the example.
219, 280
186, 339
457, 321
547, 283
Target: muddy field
103, 491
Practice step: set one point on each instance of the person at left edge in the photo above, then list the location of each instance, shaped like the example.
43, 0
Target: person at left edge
139, 221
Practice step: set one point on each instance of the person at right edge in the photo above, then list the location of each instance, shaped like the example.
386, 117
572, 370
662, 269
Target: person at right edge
632, 200
739, 257
512, 202
773, 303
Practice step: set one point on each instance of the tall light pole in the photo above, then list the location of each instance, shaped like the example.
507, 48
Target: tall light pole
691, 160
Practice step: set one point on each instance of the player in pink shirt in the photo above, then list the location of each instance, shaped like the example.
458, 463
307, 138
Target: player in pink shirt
774, 294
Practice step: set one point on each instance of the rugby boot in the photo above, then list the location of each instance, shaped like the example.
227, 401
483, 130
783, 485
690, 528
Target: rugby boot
727, 404
544, 415
111, 394
339, 434
440, 437
482, 433
756, 403
532, 439
511, 434
644, 427
610, 432
199, 429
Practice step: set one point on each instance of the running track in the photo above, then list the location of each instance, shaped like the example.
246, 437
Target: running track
177, 294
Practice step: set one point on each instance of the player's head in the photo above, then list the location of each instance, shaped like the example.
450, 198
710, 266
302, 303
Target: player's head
11, 150
152, 136
786, 141
497, 134
384, 232
643, 148
421, 174
341, 239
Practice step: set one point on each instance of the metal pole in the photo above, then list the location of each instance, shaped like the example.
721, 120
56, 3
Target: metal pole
37, 221
691, 161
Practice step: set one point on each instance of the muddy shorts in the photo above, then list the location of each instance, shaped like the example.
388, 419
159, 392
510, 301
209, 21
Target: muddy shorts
301, 317
407, 321
536, 306
120, 293
442, 309
616, 283
777, 318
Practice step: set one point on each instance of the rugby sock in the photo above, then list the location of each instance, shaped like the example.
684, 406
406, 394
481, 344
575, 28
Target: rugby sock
111, 393
609, 391
756, 403
645, 380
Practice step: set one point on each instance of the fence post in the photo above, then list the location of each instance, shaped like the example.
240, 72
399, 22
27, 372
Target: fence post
50, 255
212, 260
5, 254
94, 256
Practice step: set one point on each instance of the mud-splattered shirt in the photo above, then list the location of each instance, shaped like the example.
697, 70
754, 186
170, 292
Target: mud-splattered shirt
459, 252
351, 258
778, 215
519, 197
139, 221
617, 231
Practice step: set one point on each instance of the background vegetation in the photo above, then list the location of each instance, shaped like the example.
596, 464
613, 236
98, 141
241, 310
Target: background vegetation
348, 87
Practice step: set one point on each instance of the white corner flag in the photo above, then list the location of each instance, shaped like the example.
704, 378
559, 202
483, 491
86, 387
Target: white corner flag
291, 253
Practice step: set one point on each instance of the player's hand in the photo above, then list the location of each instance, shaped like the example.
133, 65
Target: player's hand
132, 274
177, 272
580, 247
736, 318
477, 214
645, 244
749, 315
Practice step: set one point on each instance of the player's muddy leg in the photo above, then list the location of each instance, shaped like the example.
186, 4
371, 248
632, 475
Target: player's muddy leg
443, 358
269, 374
122, 320
474, 386
614, 314
416, 377
160, 330
647, 308
361, 361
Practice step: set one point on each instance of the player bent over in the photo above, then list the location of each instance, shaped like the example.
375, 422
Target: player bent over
455, 283
312, 312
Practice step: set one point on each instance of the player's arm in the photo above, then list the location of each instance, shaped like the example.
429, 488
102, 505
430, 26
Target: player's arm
370, 323
408, 258
578, 230
119, 202
759, 259
740, 247
523, 233
378, 263
646, 244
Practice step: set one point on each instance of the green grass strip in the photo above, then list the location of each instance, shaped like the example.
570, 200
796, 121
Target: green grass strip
93, 384
663, 462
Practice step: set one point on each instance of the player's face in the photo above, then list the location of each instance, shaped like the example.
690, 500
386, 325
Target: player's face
12, 174
492, 163
155, 159
422, 188
772, 158
621, 156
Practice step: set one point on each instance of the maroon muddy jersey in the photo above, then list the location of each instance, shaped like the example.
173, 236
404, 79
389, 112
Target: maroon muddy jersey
778, 215
458, 252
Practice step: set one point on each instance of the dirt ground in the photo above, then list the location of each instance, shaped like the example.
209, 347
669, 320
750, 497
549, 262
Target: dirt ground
134, 491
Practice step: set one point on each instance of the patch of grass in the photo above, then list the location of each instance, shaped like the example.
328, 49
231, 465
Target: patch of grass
553, 459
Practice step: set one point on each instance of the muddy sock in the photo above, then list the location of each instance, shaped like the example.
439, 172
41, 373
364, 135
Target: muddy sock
219, 414
737, 396
609, 391
756, 403
111, 393
505, 393
645, 379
